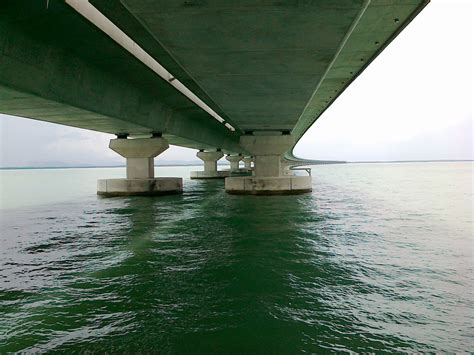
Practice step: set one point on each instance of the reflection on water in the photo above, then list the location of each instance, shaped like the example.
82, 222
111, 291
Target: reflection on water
369, 261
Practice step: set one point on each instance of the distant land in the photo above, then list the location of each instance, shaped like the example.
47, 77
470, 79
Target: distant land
412, 161
60, 165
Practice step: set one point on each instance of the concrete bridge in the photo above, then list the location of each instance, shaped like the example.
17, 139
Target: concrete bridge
244, 78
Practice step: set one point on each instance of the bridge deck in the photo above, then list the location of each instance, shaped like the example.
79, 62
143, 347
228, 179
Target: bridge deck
261, 65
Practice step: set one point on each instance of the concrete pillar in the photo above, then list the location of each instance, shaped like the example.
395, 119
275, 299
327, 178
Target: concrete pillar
268, 175
247, 162
210, 166
234, 161
139, 154
210, 159
286, 169
267, 151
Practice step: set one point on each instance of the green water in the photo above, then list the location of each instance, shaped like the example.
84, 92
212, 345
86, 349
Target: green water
377, 258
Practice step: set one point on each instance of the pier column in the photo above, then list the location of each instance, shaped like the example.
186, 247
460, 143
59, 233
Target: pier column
234, 162
139, 154
286, 169
247, 162
210, 166
268, 171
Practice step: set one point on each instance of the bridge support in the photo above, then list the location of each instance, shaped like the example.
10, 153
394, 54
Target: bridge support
286, 171
141, 181
247, 163
268, 178
210, 166
234, 162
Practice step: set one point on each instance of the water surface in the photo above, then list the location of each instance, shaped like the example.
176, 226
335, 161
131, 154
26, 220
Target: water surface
377, 258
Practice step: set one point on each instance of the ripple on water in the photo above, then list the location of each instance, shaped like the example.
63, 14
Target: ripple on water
346, 268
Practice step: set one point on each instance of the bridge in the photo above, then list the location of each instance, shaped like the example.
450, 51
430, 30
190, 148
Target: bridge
245, 78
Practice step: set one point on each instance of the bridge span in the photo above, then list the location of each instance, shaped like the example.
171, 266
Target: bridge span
244, 78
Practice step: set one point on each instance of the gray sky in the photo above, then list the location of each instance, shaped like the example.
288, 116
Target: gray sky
413, 102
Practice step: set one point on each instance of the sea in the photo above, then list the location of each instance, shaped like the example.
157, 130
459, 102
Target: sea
378, 258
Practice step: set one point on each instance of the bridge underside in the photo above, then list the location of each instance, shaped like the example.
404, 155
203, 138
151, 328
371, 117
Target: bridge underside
260, 65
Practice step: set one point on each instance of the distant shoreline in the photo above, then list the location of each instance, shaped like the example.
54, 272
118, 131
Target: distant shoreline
411, 161
198, 164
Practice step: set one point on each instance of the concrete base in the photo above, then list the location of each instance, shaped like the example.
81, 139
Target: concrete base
281, 185
140, 187
241, 172
209, 174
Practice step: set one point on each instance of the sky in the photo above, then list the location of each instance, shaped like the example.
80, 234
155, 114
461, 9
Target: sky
414, 102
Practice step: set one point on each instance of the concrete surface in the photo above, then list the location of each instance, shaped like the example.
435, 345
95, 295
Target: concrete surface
234, 161
247, 162
210, 174
139, 154
210, 166
139, 187
270, 175
267, 151
280, 185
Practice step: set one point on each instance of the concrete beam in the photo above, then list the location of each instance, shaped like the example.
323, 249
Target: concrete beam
43, 78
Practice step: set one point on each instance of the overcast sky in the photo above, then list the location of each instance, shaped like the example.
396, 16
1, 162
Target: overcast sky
414, 102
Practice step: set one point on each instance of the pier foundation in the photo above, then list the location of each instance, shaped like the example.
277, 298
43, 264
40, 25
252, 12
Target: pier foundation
269, 178
140, 181
210, 166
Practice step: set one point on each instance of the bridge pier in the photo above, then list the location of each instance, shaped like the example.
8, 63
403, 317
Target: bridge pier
210, 166
140, 181
286, 171
268, 178
247, 163
234, 162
